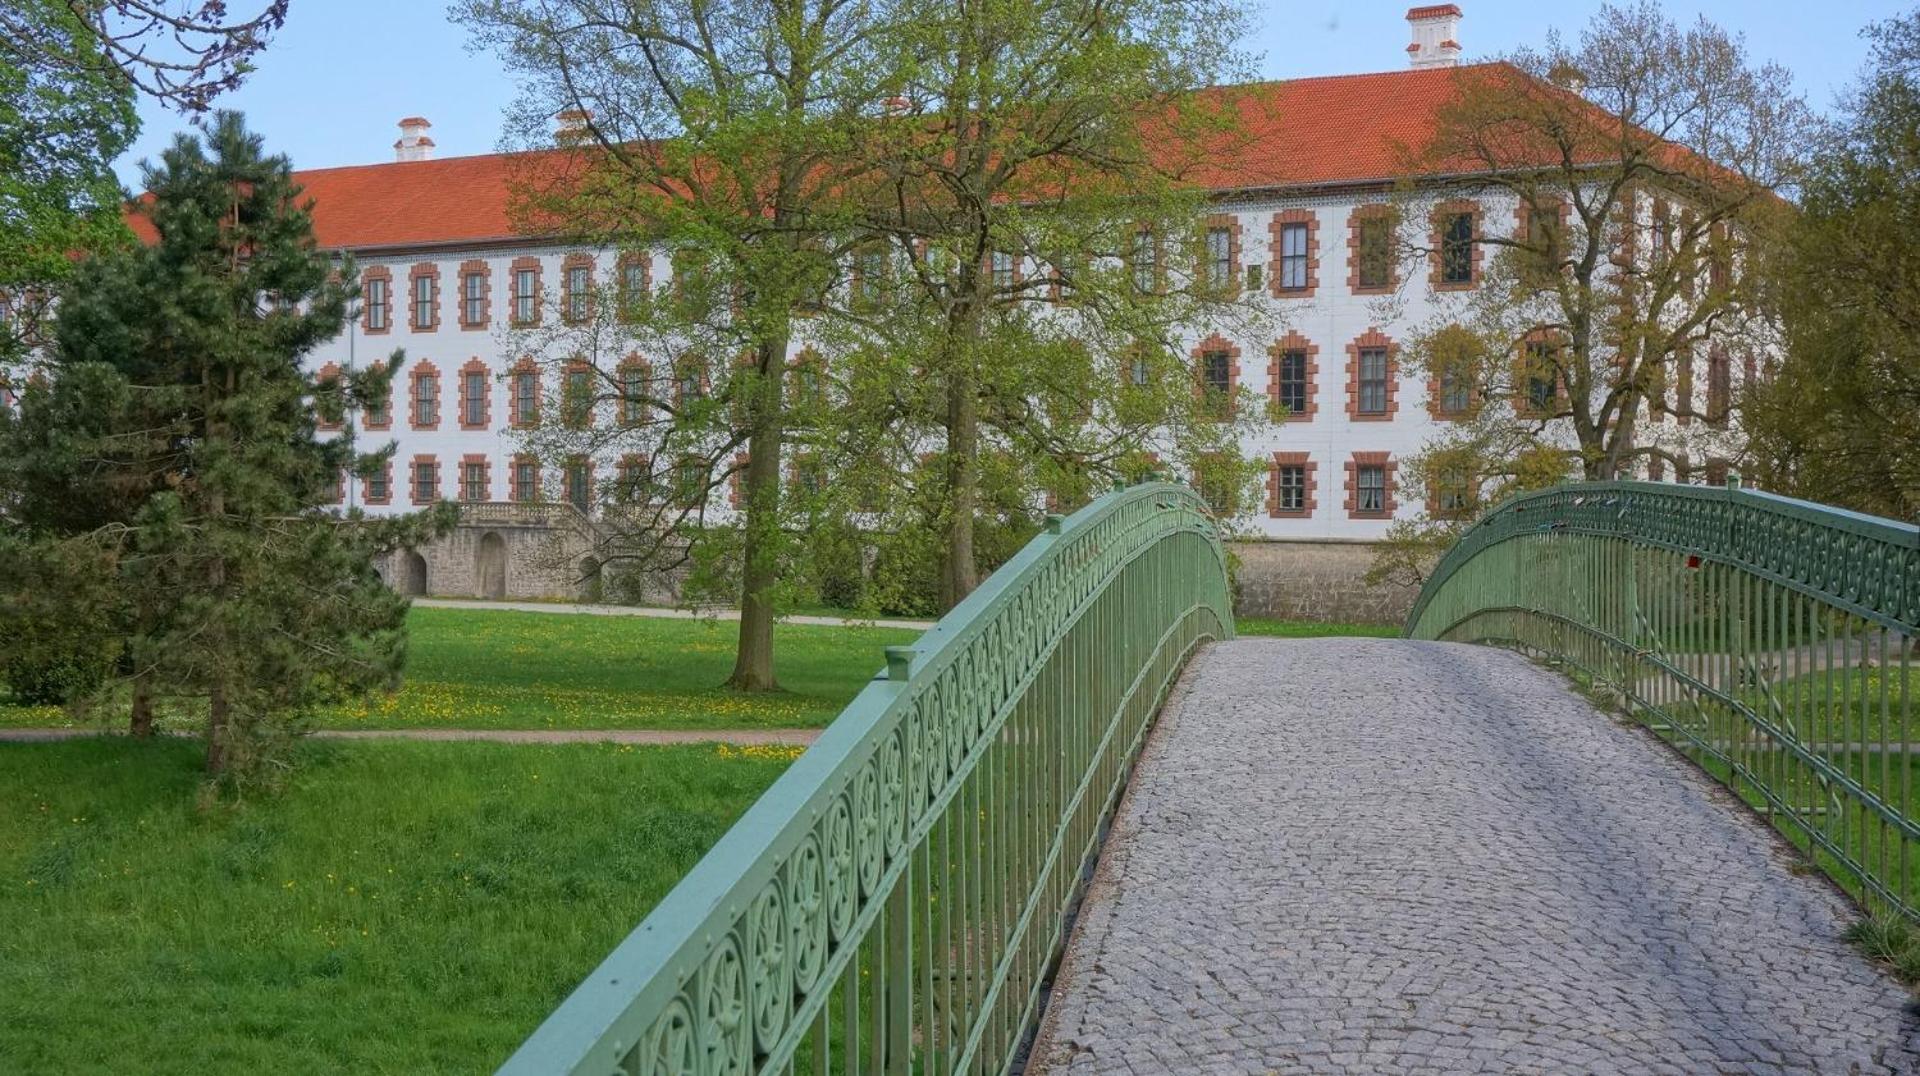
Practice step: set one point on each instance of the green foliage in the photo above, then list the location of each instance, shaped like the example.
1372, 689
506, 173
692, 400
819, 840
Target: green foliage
165, 481
1836, 420
402, 907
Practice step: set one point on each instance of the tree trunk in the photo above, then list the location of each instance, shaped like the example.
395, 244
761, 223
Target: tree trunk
960, 572
140, 724
217, 721
760, 526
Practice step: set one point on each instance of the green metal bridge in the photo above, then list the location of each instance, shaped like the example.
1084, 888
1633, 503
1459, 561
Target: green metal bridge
898, 901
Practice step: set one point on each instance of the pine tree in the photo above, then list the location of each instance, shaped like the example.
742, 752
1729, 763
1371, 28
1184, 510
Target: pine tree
178, 422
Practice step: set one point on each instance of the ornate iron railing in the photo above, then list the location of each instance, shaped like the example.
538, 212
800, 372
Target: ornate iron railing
1771, 640
894, 902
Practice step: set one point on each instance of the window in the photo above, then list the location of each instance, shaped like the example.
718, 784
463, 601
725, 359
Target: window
1370, 489
633, 394
1293, 381
377, 486
633, 283
1293, 257
1456, 249
1001, 264
376, 297
474, 399
426, 481
1719, 386
579, 487
1452, 492
1138, 372
579, 398
1373, 381
1219, 258
634, 480
526, 479
526, 398
809, 383
577, 292
423, 286
871, 266
1540, 377
1543, 240
1292, 487
426, 400
1216, 383
473, 481
525, 281
380, 415
1456, 392
1146, 261
1375, 255
688, 384
808, 476
1662, 234
689, 481
473, 299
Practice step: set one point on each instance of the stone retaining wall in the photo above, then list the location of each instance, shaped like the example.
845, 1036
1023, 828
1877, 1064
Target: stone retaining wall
1314, 579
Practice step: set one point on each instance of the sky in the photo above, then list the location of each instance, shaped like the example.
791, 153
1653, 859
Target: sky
332, 85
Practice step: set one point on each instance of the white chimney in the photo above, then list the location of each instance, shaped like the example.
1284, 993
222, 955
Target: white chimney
1436, 35
570, 126
414, 145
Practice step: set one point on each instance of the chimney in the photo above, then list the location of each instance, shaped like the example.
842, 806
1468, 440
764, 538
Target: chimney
414, 145
1436, 35
570, 126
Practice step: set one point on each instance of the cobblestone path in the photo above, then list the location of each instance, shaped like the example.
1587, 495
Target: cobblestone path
1374, 856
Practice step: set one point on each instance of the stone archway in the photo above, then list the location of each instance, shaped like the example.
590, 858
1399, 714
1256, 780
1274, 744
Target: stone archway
490, 567
413, 574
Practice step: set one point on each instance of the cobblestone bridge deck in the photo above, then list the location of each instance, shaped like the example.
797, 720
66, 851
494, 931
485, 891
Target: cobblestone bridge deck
1356, 855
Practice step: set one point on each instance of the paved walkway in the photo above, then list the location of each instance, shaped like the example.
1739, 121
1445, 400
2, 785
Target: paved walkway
737, 737
660, 613
1359, 855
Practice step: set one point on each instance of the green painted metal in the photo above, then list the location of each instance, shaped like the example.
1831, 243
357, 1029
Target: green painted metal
894, 902
1771, 640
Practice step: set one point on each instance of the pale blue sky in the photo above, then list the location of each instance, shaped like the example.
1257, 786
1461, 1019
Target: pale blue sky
343, 71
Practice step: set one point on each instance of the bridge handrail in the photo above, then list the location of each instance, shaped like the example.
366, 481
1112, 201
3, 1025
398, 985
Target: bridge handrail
1771, 640
900, 890
1861, 563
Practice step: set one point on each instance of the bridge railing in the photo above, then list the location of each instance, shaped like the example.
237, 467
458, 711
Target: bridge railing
894, 901
1772, 640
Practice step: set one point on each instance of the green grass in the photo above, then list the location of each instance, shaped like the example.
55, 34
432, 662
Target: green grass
1309, 629
491, 669
401, 907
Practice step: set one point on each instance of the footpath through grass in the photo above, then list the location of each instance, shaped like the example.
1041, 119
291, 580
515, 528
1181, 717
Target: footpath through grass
402, 908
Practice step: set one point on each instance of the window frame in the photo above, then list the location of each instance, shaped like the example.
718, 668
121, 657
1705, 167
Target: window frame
1366, 387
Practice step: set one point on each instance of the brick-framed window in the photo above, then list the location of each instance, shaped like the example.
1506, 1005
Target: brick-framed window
523, 283
423, 477
576, 288
633, 479
1217, 480
1452, 394
1003, 271
689, 380
1455, 245
1373, 377
632, 375
476, 294
869, 275
1719, 385
523, 395
1542, 237
379, 416
1293, 377
576, 482
1539, 391
1293, 238
1683, 409
1143, 260
577, 393
476, 483
377, 488
636, 282
1293, 486
806, 475
376, 300
1219, 268
328, 373
423, 297
1216, 375
1370, 485
807, 380
523, 478
1372, 268
337, 493
1452, 492
736, 496
476, 396
423, 396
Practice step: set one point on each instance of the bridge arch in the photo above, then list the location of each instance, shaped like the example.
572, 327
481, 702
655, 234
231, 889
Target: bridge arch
1771, 640
902, 890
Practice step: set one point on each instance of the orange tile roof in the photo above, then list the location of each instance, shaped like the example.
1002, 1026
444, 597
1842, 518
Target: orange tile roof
1343, 129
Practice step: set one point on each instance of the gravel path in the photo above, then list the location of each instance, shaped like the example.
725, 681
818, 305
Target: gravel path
1357, 855
737, 737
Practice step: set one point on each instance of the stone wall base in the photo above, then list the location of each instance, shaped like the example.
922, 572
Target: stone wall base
512, 562
1319, 580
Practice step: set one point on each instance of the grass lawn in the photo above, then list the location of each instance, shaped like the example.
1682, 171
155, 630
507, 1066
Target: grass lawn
1305, 629
401, 908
